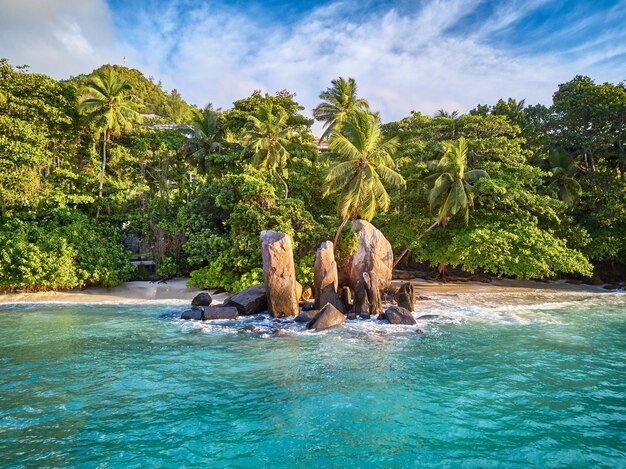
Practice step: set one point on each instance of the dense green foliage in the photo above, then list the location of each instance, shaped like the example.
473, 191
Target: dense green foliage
508, 189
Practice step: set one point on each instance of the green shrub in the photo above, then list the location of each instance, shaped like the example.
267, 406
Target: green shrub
64, 250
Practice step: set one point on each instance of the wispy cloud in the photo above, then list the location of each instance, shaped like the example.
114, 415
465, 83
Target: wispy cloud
449, 54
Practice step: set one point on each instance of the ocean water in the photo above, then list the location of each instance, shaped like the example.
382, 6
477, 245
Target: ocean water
500, 380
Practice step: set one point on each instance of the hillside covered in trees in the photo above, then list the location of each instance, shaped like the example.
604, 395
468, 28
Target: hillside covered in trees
509, 189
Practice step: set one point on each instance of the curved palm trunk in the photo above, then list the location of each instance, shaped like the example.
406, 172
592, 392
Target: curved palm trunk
343, 223
419, 237
284, 184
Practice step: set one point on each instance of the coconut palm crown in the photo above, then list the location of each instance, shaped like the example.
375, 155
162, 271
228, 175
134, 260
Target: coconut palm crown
452, 191
338, 102
364, 163
267, 138
106, 103
563, 169
207, 138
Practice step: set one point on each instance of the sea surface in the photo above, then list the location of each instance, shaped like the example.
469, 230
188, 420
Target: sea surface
536, 379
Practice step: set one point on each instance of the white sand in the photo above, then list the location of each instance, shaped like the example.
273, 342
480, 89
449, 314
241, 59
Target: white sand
177, 291
129, 292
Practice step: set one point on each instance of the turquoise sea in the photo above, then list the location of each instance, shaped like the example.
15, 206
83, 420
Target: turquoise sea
529, 380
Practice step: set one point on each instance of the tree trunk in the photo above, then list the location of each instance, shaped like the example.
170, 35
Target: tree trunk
419, 237
284, 184
104, 165
442, 268
343, 223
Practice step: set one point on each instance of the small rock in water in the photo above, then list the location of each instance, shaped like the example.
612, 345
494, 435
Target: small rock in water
423, 298
419, 331
252, 300
259, 317
193, 313
365, 316
202, 299
219, 312
249, 329
398, 315
306, 316
279, 332
351, 316
307, 306
328, 317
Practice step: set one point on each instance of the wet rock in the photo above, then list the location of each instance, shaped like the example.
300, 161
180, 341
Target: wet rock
423, 298
250, 329
279, 332
361, 304
192, 313
351, 316
405, 297
373, 254
307, 306
365, 316
260, 317
328, 317
280, 274
419, 331
252, 300
325, 277
306, 316
307, 293
370, 282
398, 315
346, 298
219, 312
202, 299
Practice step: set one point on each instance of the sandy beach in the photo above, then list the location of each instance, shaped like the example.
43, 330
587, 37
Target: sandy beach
176, 290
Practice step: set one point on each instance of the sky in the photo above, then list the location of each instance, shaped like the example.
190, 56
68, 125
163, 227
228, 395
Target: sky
421, 55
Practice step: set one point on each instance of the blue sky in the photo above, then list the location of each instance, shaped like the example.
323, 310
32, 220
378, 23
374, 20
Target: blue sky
405, 55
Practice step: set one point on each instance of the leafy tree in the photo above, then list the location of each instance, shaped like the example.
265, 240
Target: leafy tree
364, 162
268, 138
339, 101
37, 142
107, 105
537, 238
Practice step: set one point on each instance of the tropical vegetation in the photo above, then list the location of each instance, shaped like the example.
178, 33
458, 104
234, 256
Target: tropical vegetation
106, 161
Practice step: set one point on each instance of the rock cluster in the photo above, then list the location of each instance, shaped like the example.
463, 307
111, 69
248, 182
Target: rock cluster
367, 275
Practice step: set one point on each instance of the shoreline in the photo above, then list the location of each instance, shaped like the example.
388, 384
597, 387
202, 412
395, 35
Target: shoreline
176, 291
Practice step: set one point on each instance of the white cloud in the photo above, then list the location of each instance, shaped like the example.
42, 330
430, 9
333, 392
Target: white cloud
60, 38
401, 61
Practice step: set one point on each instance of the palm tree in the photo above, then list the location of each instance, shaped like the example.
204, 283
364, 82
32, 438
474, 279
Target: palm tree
563, 169
338, 102
268, 137
365, 161
448, 115
451, 189
106, 103
207, 138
